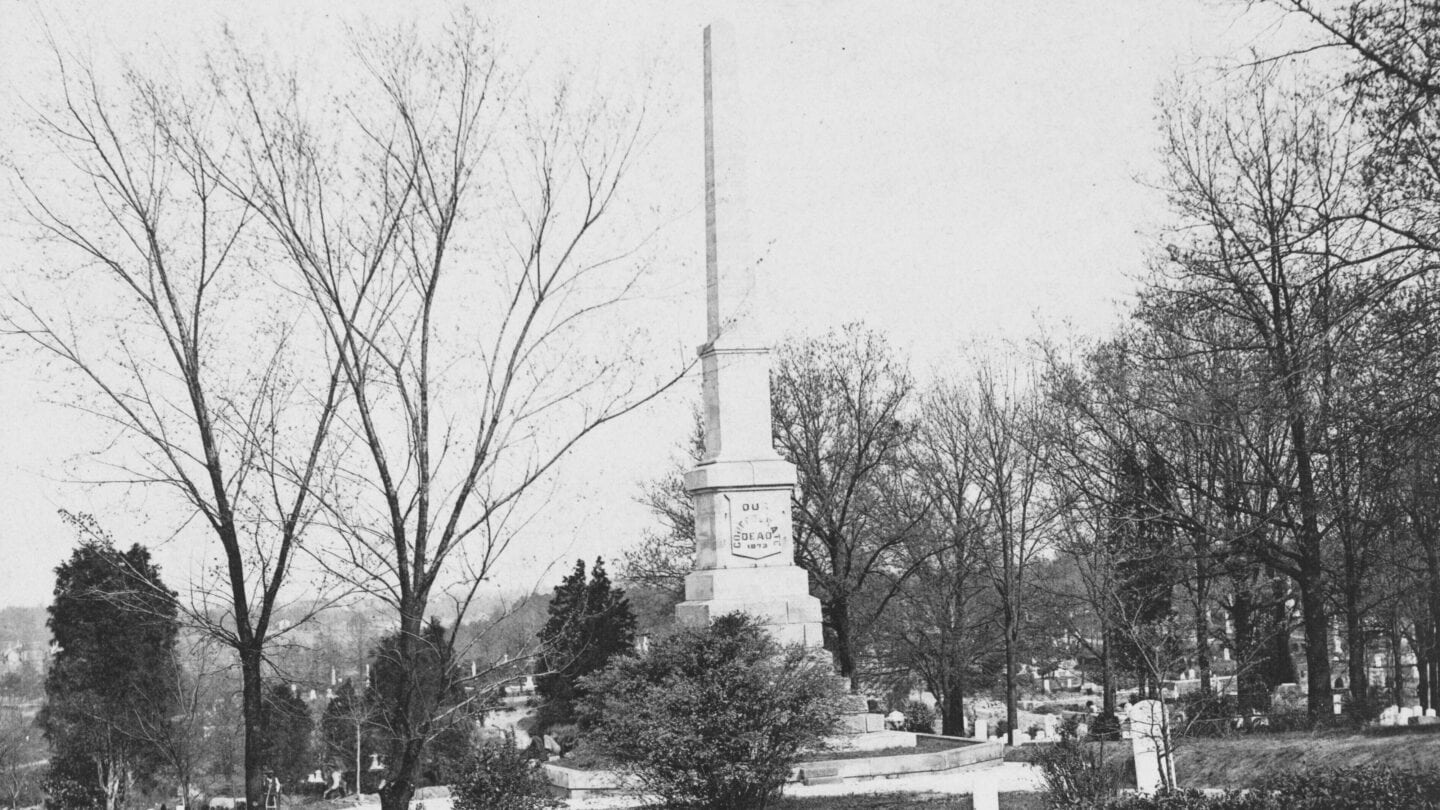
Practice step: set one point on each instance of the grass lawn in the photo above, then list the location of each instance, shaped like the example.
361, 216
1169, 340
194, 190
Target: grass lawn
1240, 762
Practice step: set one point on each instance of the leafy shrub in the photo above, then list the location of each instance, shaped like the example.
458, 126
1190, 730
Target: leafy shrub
1105, 727
712, 717
1195, 800
1070, 726
918, 717
1075, 776
1348, 788
500, 777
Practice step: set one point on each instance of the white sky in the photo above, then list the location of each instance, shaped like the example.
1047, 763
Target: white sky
943, 171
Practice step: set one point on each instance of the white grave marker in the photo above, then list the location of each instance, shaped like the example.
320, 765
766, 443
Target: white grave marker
1150, 738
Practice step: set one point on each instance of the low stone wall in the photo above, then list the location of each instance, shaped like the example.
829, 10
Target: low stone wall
968, 752
572, 783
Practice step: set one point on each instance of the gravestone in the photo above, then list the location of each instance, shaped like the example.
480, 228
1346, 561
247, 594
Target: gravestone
982, 728
1150, 740
1052, 726
1389, 715
744, 543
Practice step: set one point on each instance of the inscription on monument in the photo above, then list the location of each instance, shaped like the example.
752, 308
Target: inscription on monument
757, 524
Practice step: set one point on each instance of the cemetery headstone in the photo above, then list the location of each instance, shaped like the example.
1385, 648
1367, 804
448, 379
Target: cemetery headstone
1150, 740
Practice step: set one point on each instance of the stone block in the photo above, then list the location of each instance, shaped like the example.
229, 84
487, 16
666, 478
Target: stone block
808, 634
702, 614
759, 583
762, 473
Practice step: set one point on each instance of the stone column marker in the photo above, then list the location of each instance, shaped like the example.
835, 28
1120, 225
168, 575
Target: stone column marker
744, 543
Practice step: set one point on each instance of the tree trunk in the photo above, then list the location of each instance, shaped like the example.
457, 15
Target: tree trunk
1012, 715
1359, 679
410, 718
1249, 669
252, 703
1397, 687
1311, 581
1107, 676
1422, 671
1432, 621
1202, 641
842, 633
1280, 664
952, 721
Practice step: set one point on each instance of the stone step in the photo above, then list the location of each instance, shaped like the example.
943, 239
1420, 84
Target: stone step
821, 774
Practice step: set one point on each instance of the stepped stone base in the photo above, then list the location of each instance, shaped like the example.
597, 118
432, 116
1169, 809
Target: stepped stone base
777, 595
576, 784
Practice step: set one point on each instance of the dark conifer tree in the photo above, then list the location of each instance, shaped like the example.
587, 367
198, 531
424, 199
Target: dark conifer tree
429, 685
590, 623
114, 625
344, 726
285, 737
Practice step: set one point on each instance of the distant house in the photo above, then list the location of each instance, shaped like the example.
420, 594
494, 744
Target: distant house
18, 655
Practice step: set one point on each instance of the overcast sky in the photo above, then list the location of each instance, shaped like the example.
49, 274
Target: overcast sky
945, 172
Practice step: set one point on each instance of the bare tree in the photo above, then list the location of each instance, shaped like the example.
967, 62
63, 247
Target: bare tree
943, 626
451, 250
21, 757
1277, 244
1019, 506
162, 275
839, 417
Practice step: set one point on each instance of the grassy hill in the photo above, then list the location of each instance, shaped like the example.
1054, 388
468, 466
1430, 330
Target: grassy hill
1240, 762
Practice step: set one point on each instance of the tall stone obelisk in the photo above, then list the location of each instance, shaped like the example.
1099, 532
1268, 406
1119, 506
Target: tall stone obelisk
744, 546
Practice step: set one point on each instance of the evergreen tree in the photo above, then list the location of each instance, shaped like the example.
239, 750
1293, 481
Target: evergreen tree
1142, 541
345, 727
113, 621
285, 735
397, 683
590, 623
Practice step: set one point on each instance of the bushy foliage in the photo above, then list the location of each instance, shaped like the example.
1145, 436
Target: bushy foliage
1344, 789
498, 776
590, 623
344, 725
430, 677
285, 730
1195, 800
712, 718
1075, 774
112, 684
919, 717
1348, 788
1105, 727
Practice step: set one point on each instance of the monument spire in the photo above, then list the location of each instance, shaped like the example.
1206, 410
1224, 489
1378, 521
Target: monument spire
744, 544
730, 273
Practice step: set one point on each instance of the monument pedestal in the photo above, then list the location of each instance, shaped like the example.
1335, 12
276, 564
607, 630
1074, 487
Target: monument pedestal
744, 550
744, 540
